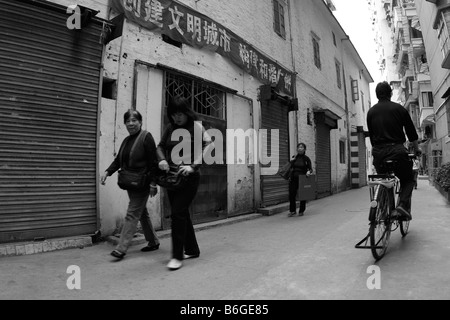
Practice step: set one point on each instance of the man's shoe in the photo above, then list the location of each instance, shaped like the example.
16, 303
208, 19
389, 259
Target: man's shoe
291, 214
191, 256
300, 214
174, 264
118, 255
150, 248
405, 215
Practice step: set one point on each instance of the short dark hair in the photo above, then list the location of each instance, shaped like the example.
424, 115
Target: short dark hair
383, 90
301, 144
180, 104
130, 113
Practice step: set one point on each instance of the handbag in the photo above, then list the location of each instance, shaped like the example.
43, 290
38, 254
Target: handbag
171, 180
133, 180
285, 171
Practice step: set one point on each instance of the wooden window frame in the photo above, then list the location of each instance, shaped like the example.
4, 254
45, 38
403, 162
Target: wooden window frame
338, 73
279, 21
316, 51
355, 89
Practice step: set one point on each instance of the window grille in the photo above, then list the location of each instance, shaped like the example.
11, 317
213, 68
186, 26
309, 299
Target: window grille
205, 99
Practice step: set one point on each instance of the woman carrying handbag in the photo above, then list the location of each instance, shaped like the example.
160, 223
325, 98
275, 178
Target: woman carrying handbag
182, 117
300, 165
136, 160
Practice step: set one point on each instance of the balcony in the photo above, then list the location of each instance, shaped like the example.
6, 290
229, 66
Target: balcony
446, 63
418, 45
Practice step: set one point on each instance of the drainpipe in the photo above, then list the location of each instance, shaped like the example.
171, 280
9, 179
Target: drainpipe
347, 118
295, 72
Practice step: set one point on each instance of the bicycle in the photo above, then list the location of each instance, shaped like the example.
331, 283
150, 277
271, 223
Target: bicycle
383, 189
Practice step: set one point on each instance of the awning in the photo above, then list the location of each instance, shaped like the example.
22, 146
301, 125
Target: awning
429, 120
446, 94
327, 117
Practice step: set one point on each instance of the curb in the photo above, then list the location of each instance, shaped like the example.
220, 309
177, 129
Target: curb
80, 242
34, 247
140, 239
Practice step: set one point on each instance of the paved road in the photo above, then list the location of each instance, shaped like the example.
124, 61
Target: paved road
268, 258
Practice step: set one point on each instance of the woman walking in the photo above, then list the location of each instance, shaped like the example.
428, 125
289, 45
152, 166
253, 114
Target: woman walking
301, 165
181, 116
137, 154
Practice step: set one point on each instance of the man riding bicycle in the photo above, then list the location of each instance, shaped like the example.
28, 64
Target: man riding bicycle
387, 123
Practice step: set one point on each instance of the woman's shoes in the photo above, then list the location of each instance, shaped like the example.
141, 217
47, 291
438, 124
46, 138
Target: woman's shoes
117, 254
191, 256
291, 214
174, 264
150, 248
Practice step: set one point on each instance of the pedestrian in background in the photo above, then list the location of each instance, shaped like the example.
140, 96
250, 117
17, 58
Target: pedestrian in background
416, 168
141, 158
181, 116
300, 165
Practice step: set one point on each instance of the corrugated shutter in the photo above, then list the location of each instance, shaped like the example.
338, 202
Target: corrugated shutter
323, 158
49, 87
275, 189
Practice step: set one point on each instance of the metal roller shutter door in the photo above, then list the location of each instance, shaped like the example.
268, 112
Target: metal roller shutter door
323, 170
275, 189
49, 87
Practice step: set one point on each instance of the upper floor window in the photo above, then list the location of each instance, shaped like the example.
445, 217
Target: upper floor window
338, 73
427, 99
334, 39
443, 36
362, 102
316, 47
279, 18
355, 90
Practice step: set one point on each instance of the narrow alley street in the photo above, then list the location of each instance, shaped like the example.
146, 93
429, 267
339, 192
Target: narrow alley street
268, 258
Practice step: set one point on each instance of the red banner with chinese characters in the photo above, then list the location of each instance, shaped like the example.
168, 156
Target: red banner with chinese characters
185, 25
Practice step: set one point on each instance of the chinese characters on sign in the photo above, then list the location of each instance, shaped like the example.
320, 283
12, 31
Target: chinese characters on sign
185, 25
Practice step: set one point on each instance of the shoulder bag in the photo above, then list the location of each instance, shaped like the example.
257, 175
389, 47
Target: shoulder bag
171, 180
285, 171
134, 179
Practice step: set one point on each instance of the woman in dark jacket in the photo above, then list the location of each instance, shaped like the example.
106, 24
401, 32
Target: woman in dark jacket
181, 116
301, 165
141, 158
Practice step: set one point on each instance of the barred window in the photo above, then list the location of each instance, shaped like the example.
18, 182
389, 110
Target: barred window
204, 97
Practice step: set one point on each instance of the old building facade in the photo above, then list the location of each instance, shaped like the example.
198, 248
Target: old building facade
433, 16
410, 38
288, 74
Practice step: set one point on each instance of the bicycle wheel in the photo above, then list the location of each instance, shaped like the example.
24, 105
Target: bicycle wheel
404, 226
380, 225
